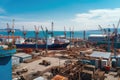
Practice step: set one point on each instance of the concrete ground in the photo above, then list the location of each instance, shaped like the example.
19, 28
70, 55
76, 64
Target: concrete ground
34, 66
111, 75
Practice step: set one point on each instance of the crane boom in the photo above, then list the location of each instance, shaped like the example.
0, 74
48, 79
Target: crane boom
43, 31
64, 31
118, 24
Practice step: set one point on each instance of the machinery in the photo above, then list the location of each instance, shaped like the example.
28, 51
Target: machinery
45, 63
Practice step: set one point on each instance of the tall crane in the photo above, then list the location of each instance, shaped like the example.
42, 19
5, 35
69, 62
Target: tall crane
103, 30
72, 32
24, 32
70, 37
8, 31
45, 33
116, 36
36, 33
64, 31
13, 31
46, 40
52, 33
84, 34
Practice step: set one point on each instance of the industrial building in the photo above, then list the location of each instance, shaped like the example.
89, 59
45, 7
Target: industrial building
15, 61
23, 56
101, 59
97, 37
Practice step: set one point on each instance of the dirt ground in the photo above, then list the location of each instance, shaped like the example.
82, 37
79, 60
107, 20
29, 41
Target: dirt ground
34, 66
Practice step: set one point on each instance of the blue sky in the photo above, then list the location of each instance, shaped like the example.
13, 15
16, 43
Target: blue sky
81, 14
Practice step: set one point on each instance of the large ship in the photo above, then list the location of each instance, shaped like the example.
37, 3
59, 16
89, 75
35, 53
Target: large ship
6, 53
51, 43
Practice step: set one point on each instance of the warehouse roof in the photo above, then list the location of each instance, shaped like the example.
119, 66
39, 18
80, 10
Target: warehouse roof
23, 55
39, 78
97, 35
98, 54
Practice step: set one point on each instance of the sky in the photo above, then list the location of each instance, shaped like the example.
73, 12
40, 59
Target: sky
74, 14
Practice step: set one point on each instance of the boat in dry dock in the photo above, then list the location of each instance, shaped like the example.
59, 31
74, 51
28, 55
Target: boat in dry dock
52, 43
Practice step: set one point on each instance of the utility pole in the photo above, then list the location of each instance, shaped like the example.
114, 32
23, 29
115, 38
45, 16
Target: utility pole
8, 30
108, 40
24, 33
84, 34
70, 38
13, 31
52, 34
46, 40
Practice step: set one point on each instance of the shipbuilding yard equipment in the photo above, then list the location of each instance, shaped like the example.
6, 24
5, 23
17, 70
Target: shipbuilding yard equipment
8, 30
72, 33
64, 31
13, 31
76, 71
52, 33
103, 30
116, 37
46, 36
46, 40
24, 32
36, 33
84, 35
70, 37
108, 40
43, 31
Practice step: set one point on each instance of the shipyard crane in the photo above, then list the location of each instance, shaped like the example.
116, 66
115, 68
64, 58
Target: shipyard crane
46, 35
72, 33
84, 34
43, 31
36, 32
8, 30
64, 31
13, 31
52, 34
70, 36
103, 30
46, 39
116, 36
24, 32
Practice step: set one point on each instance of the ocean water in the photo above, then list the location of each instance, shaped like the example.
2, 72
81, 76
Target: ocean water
77, 34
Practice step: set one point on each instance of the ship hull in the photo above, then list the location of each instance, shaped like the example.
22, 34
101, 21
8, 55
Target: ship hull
43, 46
117, 45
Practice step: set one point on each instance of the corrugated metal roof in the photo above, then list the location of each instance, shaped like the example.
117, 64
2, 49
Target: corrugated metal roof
39, 78
23, 55
101, 54
97, 35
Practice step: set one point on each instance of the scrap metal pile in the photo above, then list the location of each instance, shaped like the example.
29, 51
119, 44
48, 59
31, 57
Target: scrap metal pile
78, 71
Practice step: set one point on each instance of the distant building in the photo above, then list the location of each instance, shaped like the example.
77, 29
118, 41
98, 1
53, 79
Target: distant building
97, 38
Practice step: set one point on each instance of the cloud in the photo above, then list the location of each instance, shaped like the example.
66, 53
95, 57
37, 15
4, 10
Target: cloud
2, 10
28, 25
92, 18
